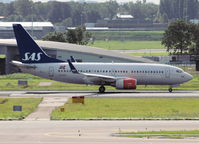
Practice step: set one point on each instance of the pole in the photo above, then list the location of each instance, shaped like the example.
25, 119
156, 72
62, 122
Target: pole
32, 21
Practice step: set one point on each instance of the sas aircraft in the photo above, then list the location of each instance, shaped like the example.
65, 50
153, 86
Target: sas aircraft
119, 75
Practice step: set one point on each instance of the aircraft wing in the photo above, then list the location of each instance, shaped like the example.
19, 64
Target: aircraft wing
99, 77
92, 77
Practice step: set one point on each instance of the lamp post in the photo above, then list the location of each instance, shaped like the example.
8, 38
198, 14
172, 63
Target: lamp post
32, 21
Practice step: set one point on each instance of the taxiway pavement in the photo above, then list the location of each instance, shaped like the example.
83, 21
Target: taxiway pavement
141, 94
89, 132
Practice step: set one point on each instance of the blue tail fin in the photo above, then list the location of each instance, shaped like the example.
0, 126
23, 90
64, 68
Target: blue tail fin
29, 51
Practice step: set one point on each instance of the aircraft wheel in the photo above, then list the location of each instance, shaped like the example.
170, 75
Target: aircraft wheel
170, 90
102, 89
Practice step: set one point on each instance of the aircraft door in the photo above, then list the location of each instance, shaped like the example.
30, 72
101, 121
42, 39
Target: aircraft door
113, 72
167, 73
51, 72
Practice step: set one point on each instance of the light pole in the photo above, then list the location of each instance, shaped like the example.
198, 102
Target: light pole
32, 20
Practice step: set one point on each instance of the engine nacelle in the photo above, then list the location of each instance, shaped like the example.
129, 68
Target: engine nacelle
127, 83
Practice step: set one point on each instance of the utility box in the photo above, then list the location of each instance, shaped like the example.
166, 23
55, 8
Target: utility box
17, 108
78, 99
23, 83
62, 109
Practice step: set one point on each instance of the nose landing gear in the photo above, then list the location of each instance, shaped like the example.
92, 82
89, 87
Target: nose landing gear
172, 86
102, 89
170, 90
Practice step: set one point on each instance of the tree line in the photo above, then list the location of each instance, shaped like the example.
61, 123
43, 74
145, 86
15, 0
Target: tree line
75, 14
170, 10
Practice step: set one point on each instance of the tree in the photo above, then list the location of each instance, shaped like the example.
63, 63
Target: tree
9, 9
54, 36
78, 36
59, 11
71, 36
112, 7
23, 7
177, 38
66, 22
179, 9
194, 30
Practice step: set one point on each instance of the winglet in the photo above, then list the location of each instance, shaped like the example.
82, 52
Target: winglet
73, 69
72, 59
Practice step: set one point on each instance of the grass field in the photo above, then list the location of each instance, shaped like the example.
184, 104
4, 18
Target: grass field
130, 108
150, 54
2, 56
161, 134
10, 82
127, 45
128, 35
28, 106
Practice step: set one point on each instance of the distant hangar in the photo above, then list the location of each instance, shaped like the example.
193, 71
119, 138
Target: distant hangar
63, 51
37, 29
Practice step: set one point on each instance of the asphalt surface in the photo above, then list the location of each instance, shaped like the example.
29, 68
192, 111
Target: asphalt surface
43, 131
141, 94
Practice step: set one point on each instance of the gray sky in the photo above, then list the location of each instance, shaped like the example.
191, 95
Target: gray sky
153, 1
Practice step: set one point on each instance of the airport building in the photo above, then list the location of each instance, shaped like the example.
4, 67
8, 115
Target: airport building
63, 51
36, 29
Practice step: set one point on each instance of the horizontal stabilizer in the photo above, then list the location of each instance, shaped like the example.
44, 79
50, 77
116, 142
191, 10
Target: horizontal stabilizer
22, 65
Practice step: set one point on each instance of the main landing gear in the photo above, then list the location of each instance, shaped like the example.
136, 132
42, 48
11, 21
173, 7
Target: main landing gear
172, 86
170, 90
102, 89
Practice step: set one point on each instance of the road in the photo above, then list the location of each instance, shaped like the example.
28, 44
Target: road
142, 51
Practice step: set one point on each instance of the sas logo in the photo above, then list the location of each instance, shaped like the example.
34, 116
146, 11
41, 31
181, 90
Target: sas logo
32, 57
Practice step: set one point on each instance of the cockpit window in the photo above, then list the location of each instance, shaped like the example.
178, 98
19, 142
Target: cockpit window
179, 71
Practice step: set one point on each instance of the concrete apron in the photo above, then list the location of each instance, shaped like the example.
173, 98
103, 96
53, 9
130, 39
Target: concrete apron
46, 107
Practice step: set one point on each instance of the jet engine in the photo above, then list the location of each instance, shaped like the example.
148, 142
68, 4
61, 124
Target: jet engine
127, 83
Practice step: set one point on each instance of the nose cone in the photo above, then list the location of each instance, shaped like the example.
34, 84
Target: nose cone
188, 77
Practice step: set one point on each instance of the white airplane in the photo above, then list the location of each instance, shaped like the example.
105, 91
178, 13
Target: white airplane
119, 75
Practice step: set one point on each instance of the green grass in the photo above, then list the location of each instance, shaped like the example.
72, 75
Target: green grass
128, 35
28, 106
2, 56
150, 54
127, 45
10, 82
130, 108
161, 134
